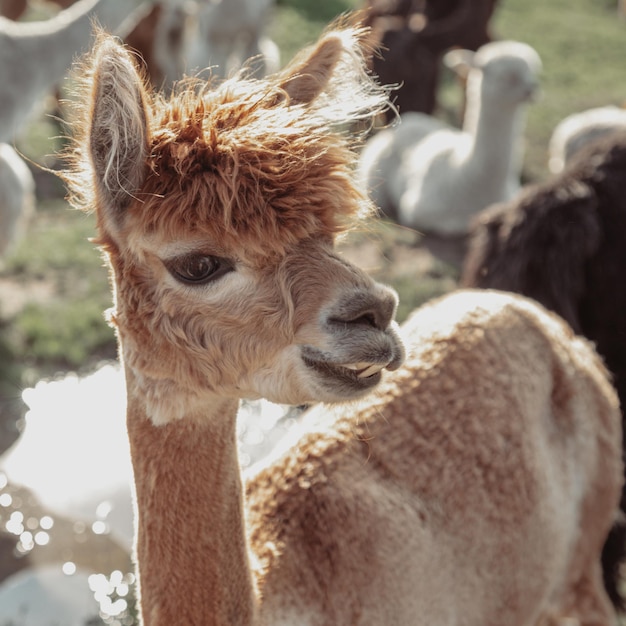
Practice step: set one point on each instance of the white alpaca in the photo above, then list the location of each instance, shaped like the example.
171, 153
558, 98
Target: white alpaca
17, 197
34, 56
434, 178
578, 129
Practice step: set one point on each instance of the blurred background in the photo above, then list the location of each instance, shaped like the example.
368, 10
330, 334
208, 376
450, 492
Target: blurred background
65, 513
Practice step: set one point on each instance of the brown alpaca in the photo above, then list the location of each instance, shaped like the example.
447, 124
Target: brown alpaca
457, 493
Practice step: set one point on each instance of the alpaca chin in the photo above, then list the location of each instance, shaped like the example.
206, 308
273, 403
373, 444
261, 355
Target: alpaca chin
283, 381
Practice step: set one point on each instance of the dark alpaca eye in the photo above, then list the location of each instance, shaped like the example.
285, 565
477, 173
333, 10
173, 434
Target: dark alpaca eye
198, 269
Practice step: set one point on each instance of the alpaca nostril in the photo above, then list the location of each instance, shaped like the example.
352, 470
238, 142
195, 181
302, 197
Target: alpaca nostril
367, 319
365, 309
364, 319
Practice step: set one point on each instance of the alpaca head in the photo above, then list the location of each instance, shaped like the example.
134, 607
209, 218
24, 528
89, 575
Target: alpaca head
505, 73
218, 210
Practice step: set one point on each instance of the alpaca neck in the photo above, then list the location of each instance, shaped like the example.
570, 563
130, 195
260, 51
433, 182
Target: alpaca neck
496, 148
191, 547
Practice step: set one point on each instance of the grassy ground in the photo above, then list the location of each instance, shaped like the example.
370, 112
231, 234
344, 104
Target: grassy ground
583, 46
53, 288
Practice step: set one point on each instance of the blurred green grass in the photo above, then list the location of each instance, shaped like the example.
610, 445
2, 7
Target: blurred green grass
582, 44
583, 47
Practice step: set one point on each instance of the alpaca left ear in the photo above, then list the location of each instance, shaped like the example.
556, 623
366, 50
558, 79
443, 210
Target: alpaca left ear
118, 133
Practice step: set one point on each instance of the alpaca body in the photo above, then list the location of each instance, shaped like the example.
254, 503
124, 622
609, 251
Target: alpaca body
217, 211
431, 483
578, 129
434, 178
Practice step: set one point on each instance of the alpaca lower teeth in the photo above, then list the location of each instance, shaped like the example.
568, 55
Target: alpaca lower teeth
369, 371
363, 369
357, 366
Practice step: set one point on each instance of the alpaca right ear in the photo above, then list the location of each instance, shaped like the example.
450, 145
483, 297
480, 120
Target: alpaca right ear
332, 78
309, 75
118, 132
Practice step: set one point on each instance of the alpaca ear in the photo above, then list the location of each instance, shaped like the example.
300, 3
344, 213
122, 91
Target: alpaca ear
118, 133
308, 75
460, 61
332, 77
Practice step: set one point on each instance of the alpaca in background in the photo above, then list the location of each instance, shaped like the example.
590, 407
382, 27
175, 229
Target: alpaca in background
17, 197
34, 57
412, 37
230, 33
435, 178
181, 37
578, 129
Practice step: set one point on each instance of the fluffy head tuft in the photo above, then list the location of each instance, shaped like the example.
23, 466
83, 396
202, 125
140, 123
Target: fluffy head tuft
261, 163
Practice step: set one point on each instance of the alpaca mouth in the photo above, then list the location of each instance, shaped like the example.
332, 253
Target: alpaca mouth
352, 375
346, 378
